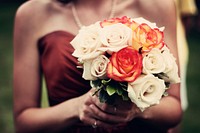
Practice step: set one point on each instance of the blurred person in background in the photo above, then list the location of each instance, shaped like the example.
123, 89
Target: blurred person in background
197, 19
186, 10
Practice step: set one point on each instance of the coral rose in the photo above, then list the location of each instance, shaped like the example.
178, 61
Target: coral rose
147, 38
125, 65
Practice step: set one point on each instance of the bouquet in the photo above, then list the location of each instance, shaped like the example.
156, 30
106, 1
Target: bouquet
126, 58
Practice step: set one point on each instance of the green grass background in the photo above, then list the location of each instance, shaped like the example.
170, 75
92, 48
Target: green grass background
191, 119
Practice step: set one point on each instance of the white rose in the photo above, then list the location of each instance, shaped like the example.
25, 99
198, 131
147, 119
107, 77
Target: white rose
115, 37
87, 42
86, 70
161, 62
146, 90
99, 66
171, 69
93, 69
153, 62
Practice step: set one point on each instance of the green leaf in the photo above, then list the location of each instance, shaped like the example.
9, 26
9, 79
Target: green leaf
162, 75
167, 84
119, 91
110, 90
105, 82
123, 84
165, 94
103, 96
125, 98
95, 83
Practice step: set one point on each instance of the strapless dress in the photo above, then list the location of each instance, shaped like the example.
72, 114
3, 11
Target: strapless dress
64, 81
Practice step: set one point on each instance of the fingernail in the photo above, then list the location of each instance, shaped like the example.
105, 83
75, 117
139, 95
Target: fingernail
91, 106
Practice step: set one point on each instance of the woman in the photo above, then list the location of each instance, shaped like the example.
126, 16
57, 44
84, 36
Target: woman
43, 30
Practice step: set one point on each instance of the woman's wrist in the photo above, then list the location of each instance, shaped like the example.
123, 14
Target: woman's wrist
72, 110
164, 115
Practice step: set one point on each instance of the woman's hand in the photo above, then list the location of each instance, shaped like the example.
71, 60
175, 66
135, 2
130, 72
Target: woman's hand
98, 114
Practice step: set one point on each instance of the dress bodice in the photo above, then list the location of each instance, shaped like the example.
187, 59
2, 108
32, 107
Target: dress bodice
63, 78
64, 81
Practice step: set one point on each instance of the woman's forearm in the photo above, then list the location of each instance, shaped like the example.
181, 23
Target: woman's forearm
166, 114
49, 119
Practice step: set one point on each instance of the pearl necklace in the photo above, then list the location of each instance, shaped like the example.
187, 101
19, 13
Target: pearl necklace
77, 20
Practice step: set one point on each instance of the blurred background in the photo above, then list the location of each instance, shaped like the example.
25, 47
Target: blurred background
191, 119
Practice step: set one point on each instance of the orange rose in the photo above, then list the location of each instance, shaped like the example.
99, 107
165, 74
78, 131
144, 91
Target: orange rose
125, 65
147, 38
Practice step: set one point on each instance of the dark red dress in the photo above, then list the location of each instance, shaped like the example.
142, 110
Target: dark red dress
64, 81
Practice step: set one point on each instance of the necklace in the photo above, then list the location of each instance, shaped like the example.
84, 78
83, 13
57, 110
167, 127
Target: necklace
77, 20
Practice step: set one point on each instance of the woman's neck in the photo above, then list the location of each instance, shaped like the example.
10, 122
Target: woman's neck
90, 11
91, 2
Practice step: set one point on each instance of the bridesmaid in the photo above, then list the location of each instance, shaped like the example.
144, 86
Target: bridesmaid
42, 34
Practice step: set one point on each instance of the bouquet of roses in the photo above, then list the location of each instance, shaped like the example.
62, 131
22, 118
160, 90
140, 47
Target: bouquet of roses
126, 58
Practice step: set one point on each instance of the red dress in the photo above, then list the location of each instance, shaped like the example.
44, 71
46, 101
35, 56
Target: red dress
64, 81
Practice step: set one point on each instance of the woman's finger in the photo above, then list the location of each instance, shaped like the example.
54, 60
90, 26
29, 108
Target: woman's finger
106, 117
